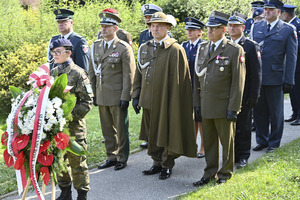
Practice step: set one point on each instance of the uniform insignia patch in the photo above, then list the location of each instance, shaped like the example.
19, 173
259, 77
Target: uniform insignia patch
242, 59
258, 54
85, 48
130, 42
114, 55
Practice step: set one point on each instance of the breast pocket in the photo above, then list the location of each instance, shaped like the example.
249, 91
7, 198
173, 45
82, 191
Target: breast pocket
223, 67
113, 62
145, 58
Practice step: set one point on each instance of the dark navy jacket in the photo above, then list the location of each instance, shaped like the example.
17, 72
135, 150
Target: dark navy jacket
278, 52
248, 24
253, 69
191, 56
80, 54
296, 23
146, 35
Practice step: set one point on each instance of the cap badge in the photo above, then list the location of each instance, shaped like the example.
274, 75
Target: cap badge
147, 7
190, 19
58, 11
104, 14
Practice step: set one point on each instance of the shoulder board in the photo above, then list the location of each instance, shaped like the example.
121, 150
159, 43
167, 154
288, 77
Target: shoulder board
123, 43
78, 36
144, 30
232, 43
98, 40
289, 25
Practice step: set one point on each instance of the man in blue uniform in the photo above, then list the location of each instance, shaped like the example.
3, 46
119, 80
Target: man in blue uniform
288, 15
64, 18
251, 90
193, 28
249, 22
278, 44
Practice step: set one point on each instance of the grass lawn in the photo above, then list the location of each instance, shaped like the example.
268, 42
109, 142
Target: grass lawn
273, 176
96, 149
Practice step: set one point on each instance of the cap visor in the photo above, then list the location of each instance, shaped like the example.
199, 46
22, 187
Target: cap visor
235, 22
213, 24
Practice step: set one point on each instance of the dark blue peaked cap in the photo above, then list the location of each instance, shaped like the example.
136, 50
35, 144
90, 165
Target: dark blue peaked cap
193, 23
60, 43
273, 4
288, 8
63, 14
258, 4
237, 18
257, 12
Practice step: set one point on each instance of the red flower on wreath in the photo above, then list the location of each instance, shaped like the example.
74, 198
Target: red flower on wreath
20, 141
20, 161
45, 158
61, 140
44, 146
9, 161
45, 174
4, 138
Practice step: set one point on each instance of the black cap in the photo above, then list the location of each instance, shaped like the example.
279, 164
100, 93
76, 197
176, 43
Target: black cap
63, 14
237, 18
273, 4
193, 23
288, 8
60, 43
257, 12
258, 4
217, 18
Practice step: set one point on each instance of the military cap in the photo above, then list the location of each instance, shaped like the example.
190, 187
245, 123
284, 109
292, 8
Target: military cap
160, 17
60, 43
257, 12
193, 23
273, 4
217, 19
257, 4
150, 9
63, 14
237, 18
288, 8
110, 16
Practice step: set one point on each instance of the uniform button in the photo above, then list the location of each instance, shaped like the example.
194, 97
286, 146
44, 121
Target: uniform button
147, 83
151, 60
206, 82
148, 74
205, 91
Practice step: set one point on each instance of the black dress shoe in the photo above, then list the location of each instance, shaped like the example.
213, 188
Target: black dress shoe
259, 147
221, 181
108, 163
291, 118
144, 145
203, 181
165, 173
296, 122
120, 165
153, 170
242, 163
271, 149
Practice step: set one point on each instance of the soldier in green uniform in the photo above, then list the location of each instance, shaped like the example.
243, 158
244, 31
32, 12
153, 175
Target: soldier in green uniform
61, 49
111, 70
219, 84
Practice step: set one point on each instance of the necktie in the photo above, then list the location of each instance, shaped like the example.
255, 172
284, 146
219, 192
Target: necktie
62, 37
269, 27
212, 49
156, 45
106, 47
192, 46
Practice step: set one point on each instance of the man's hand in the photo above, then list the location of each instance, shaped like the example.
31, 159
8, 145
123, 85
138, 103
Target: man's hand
135, 105
287, 88
231, 115
94, 101
124, 104
252, 102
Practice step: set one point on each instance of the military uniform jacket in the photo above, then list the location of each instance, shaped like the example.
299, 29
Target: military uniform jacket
81, 87
253, 69
278, 52
191, 55
296, 23
219, 79
113, 78
164, 86
79, 52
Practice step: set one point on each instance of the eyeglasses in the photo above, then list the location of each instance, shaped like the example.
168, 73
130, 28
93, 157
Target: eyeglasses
58, 53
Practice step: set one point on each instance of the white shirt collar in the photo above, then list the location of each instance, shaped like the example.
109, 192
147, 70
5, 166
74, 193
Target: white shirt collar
67, 35
217, 43
238, 40
109, 42
160, 42
273, 23
195, 42
292, 19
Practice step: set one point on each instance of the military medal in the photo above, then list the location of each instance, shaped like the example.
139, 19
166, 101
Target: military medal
113, 66
221, 69
217, 61
226, 62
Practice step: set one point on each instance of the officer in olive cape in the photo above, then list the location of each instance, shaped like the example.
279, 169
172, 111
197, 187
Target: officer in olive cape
219, 84
78, 173
162, 87
64, 19
111, 70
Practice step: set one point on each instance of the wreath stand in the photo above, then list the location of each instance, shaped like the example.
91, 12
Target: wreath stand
43, 188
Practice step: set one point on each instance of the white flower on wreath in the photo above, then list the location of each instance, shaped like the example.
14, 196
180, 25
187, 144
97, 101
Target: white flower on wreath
59, 113
56, 102
62, 122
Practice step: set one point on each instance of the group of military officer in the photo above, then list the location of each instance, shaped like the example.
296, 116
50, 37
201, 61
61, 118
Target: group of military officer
222, 78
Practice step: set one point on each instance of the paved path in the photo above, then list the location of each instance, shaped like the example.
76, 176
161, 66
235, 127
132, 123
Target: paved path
131, 184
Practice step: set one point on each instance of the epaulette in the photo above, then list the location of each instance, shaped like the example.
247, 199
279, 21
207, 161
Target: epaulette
232, 43
123, 42
144, 30
79, 36
98, 40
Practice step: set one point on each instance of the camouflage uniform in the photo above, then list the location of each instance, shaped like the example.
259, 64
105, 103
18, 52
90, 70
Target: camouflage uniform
78, 78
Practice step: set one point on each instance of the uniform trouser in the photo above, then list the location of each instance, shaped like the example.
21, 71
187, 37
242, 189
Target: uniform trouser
269, 108
214, 132
242, 141
114, 124
158, 154
295, 96
77, 170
